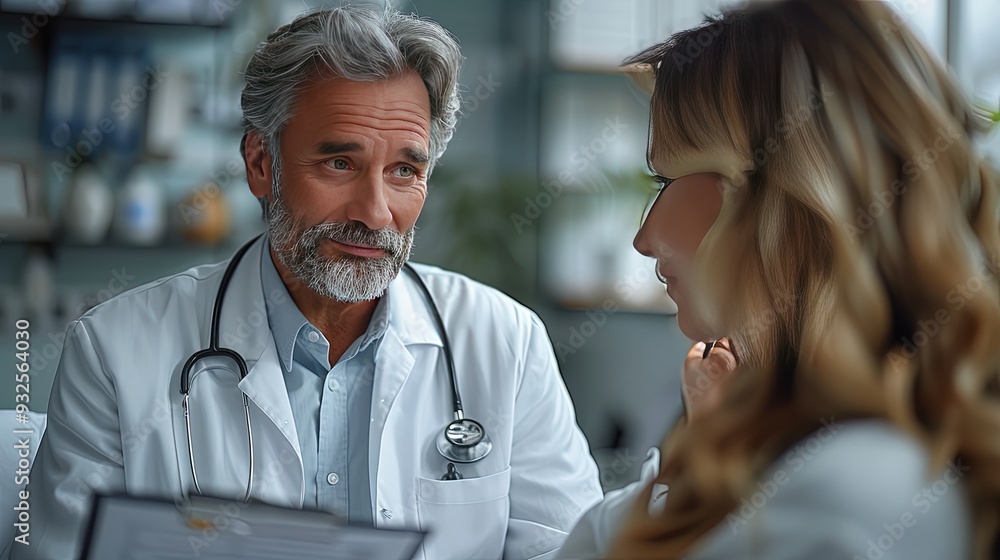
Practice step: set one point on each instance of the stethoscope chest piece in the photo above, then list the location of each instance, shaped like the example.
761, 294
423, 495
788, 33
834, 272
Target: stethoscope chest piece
464, 441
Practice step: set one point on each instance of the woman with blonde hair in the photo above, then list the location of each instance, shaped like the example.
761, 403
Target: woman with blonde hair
825, 215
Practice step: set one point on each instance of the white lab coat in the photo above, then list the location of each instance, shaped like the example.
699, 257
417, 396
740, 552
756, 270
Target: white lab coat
116, 422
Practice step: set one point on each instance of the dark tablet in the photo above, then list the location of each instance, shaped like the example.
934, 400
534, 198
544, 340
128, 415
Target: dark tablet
125, 527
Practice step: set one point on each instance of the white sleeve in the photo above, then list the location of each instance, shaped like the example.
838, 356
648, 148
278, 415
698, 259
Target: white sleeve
79, 454
553, 477
592, 535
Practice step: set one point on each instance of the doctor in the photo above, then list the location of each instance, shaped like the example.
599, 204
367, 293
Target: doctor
349, 382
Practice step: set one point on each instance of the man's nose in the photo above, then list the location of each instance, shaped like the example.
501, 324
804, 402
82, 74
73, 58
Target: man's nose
368, 204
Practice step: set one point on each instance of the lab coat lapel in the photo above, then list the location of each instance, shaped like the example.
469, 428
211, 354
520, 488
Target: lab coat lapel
280, 479
265, 386
409, 324
392, 367
244, 329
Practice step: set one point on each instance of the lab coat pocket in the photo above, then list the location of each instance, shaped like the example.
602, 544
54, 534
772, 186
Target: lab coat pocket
465, 518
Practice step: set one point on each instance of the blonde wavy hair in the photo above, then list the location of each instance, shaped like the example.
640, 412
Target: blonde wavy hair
863, 228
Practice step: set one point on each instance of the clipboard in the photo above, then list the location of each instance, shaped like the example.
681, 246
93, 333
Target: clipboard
128, 527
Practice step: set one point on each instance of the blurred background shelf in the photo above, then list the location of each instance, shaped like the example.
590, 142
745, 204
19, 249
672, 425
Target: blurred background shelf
181, 13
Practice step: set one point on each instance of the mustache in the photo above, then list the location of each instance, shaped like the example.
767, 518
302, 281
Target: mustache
355, 233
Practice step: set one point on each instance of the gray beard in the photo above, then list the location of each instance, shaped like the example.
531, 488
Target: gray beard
345, 278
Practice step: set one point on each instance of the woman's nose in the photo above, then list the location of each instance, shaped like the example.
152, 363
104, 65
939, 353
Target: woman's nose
641, 243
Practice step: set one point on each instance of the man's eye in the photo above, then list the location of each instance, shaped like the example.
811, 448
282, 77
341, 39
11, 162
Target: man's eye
405, 172
339, 164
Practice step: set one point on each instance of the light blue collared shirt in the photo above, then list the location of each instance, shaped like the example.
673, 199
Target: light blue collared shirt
331, 405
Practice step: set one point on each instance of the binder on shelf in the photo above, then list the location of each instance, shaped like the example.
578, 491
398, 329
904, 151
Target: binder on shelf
130, 99
93, 82
61, 121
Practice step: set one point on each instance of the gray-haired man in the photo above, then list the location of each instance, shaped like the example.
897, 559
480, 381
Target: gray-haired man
348, 379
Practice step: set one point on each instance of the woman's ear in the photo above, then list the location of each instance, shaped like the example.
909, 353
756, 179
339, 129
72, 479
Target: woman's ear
642, 74
258, 164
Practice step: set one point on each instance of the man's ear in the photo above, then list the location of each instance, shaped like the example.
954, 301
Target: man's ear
258, 163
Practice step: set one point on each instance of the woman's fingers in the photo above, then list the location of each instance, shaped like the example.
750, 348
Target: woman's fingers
705, 371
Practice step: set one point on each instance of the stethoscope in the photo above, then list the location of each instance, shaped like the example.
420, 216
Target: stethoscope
463, 440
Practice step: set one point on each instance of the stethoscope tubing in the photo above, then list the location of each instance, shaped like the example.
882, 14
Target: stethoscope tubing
446, 343
215, 350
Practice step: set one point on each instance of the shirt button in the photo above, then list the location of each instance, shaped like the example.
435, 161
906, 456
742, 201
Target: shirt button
333, 384
313, 336
332, 479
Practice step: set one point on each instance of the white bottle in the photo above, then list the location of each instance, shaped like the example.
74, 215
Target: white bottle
141, 218
89, 208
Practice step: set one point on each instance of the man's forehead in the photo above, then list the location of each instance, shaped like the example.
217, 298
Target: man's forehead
346, 106
407, 88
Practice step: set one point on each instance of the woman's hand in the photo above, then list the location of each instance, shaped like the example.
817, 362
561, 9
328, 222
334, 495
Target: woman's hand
704, 377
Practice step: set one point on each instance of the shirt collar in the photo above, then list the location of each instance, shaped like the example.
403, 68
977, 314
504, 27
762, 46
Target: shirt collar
286, 320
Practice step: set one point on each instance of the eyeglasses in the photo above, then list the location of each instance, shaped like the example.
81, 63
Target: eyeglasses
664, 183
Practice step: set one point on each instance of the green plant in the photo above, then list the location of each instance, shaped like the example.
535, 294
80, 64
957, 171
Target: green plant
488, 228
988, 113
467, 220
